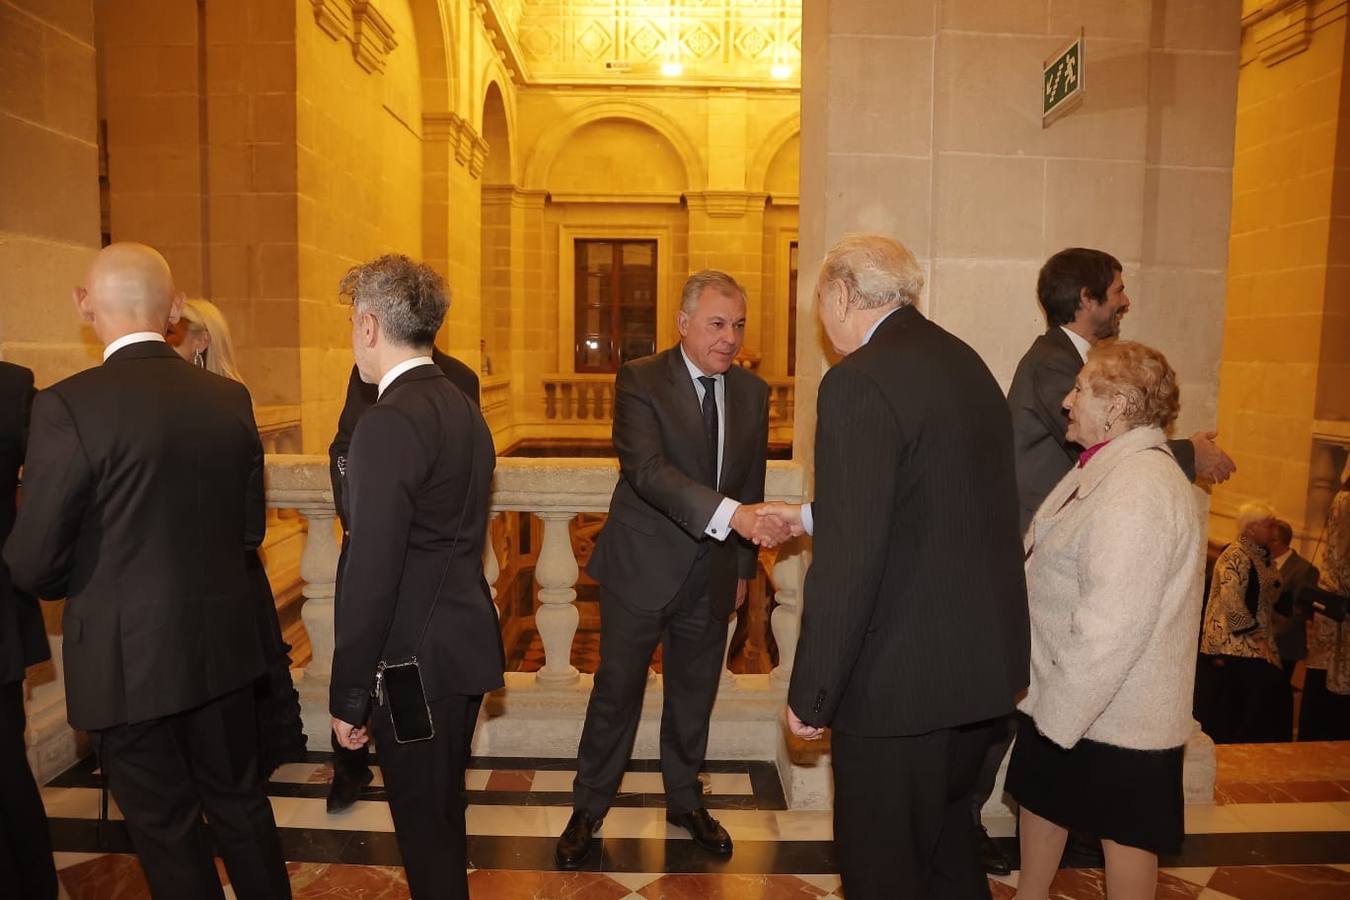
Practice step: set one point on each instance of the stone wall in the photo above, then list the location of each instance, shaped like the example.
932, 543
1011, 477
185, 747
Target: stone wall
49, 215
948, 154
1286, 353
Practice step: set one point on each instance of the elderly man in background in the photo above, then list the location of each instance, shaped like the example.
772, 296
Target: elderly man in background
914, 637
1291, 618
1241, 693
161, 637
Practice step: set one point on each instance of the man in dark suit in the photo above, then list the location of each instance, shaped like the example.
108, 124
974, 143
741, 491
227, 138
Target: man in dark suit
351, 768
1082, 293
419, 476
915, 637
691, 429
1291, 620
25, 846
143, 487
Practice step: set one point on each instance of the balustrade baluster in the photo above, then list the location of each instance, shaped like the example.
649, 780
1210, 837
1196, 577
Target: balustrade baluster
491, 568
550, 401
556, 619
786, 622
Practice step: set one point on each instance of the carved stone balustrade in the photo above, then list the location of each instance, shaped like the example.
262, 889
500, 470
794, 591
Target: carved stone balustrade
579, 398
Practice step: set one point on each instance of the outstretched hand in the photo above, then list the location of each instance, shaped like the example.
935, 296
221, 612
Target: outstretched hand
1211, 463
762, 530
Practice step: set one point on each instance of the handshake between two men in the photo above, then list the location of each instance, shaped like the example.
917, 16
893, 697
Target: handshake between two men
768, 524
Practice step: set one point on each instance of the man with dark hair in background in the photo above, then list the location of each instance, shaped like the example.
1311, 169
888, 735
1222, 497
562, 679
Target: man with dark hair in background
1082, 293
351, 768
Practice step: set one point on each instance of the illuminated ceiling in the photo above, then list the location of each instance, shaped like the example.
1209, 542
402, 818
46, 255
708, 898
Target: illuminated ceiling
741, 43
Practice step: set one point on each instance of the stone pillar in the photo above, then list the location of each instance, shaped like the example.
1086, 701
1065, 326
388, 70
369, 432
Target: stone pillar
302, 483
556, 619
1285, 370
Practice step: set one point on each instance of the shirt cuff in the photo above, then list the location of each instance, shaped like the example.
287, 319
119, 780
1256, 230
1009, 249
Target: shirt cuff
719, 526
808, 520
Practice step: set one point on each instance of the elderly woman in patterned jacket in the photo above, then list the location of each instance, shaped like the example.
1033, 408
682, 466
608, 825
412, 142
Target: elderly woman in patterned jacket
1241, 695
1326, 685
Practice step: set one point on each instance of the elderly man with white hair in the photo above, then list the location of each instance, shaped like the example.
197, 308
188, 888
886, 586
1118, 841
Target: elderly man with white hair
914, 635
1241, 694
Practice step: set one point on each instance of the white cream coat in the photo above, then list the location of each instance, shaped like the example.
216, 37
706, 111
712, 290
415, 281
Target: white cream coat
1114, 579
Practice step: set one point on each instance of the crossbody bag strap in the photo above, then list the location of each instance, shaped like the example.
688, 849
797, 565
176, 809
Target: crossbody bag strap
454, 540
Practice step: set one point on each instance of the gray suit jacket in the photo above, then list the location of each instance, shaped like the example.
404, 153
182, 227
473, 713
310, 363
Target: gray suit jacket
1291, 625
664, 499
1036, 399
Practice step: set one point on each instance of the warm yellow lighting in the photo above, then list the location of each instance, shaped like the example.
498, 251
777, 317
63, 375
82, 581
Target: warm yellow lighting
672, 69
780, 71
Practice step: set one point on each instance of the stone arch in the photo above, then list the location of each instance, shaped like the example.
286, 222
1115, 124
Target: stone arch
773, 142
496, 128
437, 62
552, 141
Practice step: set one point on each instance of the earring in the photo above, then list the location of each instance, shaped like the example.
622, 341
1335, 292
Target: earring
1110, 423
198, 360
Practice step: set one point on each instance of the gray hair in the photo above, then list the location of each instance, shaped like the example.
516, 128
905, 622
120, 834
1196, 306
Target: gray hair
696, 284
407, 297
1250, 513
874, 271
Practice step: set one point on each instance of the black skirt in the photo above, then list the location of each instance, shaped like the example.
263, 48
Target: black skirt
1132, 797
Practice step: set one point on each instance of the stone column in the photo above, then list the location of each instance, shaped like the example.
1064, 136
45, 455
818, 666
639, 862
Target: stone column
301, 483
556, 619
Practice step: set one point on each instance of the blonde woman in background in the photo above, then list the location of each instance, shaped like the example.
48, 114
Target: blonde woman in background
202, 337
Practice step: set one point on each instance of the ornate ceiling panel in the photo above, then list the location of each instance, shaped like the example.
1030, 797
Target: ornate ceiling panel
752, 43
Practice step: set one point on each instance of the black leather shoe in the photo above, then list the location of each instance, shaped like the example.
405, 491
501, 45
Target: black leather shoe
1082, 852
346, 788
995, 861
576, 839
704, 829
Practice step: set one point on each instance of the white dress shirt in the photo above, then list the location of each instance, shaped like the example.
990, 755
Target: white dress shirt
809, 520
399, 369
1080, 343
719, 526
136, 337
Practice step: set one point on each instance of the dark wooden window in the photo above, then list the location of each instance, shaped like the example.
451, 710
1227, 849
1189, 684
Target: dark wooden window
615, 303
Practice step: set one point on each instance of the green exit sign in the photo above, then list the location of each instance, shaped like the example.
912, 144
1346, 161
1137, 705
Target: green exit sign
1062, 81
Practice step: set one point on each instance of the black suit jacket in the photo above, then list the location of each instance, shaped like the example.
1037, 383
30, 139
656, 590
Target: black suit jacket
1044, 454
915, 613
23, 639
1291, 624
418, 456
664, 498
143, 487
361, 397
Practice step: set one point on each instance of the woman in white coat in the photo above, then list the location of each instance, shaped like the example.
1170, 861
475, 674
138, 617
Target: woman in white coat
1114, 578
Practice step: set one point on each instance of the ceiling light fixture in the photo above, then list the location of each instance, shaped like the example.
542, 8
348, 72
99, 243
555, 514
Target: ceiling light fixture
780, 71
672, 69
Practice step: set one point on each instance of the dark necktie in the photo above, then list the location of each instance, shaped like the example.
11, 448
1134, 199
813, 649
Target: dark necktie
710, 421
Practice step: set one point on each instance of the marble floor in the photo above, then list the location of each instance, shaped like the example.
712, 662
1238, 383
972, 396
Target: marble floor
1279, 828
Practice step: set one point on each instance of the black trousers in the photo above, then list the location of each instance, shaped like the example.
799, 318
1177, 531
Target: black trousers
693, 643
1324, 716
993, 758
902, 823
1242, 700
26, 865
166, 773
423, 782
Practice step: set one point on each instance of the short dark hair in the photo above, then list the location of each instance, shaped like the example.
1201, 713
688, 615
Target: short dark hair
408, 297
1285, 532
1064, 276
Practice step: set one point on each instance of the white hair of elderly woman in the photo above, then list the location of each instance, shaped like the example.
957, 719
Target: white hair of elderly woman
1252, 512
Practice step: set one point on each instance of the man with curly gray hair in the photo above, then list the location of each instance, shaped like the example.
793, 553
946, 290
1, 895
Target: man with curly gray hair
412, 588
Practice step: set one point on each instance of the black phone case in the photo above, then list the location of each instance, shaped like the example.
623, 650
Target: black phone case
408, 709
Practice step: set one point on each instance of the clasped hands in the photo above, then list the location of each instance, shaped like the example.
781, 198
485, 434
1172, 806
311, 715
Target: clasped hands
768, 524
